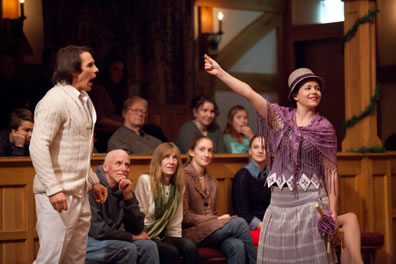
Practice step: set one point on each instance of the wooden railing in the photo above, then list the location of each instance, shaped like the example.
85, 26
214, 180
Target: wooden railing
366, 189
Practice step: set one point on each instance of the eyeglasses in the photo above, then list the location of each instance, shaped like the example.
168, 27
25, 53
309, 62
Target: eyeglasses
135, 111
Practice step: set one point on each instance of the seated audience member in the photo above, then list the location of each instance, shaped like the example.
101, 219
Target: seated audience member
130, 137
40, 83
14, 141
205, 111
237, 132
116, 234
107, 96
249, 195
110, 91
228, 234
160, 196
12, 90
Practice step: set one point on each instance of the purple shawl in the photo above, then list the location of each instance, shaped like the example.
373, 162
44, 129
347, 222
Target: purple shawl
296, 151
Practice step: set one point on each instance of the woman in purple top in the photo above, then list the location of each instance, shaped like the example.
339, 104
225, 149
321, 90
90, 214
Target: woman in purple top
301, 151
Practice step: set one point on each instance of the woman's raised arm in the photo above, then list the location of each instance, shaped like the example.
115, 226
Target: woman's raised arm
258, 102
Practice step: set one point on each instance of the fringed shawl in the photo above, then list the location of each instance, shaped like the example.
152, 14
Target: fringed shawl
302, 155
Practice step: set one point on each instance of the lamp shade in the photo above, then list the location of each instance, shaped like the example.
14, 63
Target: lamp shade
10, 9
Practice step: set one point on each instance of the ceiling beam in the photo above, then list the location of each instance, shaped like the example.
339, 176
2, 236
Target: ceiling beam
257, 5
248, 37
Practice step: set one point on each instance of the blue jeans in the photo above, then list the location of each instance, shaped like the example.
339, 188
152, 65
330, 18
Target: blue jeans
119, 251
234, 241
172, 248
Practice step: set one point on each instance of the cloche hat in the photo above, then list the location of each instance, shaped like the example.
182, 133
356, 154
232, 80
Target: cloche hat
300, 75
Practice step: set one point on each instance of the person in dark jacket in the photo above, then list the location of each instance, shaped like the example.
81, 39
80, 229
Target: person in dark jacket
250, 195
14, 141
107, 241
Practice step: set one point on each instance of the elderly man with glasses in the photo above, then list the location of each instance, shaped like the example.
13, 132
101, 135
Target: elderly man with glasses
131, 137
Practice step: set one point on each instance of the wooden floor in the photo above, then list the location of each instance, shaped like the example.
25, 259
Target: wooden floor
367, 182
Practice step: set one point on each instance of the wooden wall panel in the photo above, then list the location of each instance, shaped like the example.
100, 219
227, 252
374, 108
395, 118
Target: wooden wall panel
349, 197
394, 235
393, 206
366, 186
13, 252
169, 117
379, 209
394, 188
13, 206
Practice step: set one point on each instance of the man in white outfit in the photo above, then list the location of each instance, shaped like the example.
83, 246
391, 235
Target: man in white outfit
60, 149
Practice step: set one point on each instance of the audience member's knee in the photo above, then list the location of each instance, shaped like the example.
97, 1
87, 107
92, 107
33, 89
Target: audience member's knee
237, 246
190, 245
240, 222
149, 245
129, 251
170, 255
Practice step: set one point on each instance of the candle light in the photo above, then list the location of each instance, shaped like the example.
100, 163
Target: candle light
220, 16
21, 3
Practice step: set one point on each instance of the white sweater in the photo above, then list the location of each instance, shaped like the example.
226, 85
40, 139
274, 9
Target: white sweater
62, 141
146, 203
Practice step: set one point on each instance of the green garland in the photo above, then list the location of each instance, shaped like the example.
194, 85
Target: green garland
351, 32
354, 119
369, 109
379, 149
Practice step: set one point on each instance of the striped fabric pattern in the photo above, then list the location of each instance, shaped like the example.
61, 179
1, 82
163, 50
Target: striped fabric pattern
289, 233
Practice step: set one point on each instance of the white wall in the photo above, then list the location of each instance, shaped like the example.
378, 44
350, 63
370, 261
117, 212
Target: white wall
34, 30
386, 26
317, 11
261, 58
234, 22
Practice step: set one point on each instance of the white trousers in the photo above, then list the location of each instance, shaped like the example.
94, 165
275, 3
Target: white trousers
63, 236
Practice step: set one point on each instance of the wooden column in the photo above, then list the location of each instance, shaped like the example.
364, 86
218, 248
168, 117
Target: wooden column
360, 76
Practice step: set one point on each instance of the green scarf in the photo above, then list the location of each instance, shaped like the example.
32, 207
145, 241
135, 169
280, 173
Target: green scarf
164, 212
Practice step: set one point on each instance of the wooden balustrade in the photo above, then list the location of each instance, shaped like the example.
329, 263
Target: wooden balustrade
366, 185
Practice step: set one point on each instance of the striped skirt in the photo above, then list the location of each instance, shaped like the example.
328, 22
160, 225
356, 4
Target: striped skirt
289, 232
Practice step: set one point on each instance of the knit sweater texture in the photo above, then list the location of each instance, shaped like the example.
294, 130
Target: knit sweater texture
62, 142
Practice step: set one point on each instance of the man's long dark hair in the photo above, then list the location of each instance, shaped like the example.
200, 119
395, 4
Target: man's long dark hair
68, 62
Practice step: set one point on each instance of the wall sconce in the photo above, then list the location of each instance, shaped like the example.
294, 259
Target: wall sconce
213, 39
220, 17
12, 23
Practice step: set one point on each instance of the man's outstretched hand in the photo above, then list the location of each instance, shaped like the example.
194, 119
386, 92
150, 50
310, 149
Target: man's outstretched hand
100, 192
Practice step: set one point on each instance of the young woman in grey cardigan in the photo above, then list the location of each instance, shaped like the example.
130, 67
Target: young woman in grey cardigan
205, 111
